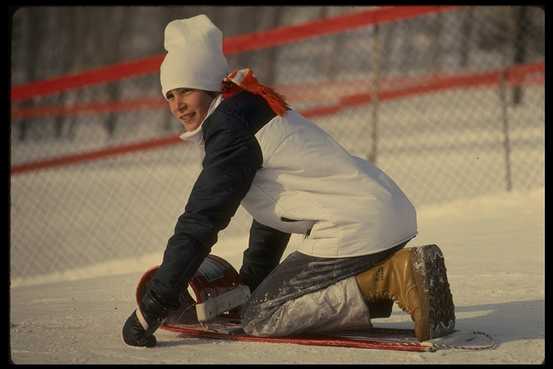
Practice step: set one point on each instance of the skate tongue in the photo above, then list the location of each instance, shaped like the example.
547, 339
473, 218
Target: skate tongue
217, 305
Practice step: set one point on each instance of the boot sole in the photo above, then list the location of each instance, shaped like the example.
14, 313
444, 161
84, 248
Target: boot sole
430, 273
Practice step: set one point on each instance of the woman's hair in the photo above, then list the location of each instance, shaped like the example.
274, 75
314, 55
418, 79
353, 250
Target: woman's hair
212, 94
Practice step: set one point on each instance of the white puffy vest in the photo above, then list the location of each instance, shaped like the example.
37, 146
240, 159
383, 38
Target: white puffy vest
310, 185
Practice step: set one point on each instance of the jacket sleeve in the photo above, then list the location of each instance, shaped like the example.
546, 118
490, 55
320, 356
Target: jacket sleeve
232, 158
265, 248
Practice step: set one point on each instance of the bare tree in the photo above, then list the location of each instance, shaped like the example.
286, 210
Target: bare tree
466, 35
389, 41
81, 51
62, 19
272, 18
29, 19
111, 35
437, 28
231, 28
519, 44
330, 64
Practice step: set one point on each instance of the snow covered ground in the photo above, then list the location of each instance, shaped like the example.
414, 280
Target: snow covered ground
495, 255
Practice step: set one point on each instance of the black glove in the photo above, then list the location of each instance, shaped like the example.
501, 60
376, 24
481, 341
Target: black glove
135, 335
140, 332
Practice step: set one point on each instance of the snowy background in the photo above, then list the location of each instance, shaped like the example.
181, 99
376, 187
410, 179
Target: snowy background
81, 220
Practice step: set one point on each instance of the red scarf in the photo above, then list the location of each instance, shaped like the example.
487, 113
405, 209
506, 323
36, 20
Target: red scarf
244, 79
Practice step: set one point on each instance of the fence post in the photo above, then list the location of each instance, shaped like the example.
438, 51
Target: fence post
375, 88
505, 119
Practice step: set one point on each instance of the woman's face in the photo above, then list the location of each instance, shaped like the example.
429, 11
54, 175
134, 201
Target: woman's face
189, 106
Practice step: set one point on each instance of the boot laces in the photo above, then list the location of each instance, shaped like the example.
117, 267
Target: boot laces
387, 295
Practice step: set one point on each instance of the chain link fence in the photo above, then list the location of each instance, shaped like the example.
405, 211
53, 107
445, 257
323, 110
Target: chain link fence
450, 104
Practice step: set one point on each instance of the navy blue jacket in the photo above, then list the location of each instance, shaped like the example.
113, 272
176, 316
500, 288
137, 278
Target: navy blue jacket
232, 158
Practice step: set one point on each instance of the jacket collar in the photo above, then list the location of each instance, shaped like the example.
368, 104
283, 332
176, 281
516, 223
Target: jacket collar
196, 134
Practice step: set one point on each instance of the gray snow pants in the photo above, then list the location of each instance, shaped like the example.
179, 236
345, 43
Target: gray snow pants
307, 294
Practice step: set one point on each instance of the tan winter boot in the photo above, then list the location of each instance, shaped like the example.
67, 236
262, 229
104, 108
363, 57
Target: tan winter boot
415, 278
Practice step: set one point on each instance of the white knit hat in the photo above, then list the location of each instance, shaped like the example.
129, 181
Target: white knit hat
194, 57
